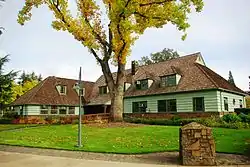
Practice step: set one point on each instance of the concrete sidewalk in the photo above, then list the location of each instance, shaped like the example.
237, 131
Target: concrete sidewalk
10, 159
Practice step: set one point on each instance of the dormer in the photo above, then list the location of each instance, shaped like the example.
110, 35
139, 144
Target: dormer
62, 89
126, 86
169, 80
143, 84
103, 90
200, 60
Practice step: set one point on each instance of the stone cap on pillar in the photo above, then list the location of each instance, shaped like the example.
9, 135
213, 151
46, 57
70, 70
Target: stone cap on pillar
194, 125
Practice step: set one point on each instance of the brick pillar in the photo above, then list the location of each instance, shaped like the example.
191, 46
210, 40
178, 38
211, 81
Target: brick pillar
197, 145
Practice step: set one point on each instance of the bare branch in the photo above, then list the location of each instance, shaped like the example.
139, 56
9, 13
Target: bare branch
147, 17
95, 54
153, 3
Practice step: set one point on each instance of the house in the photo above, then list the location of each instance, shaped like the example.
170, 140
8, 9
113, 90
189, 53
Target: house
181, 85
53, 96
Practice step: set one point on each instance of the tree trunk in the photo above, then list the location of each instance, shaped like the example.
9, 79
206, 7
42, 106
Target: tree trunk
116, 90
116, 113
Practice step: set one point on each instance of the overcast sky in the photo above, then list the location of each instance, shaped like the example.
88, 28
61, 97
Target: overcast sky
221, 33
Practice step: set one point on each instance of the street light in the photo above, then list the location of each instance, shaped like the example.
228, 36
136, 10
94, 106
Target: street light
79, 89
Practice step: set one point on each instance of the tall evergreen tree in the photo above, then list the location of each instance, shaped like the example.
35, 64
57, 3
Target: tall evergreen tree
230, 78
6, 81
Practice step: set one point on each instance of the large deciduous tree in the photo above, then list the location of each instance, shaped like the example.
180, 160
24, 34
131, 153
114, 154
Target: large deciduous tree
112, 41
165, 54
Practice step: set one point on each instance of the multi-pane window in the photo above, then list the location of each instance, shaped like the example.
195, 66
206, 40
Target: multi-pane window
169, 80
139, 106
162, 106
44, 109
63, 89
142, 84
71, 110
171, 105
233, 101
62, 110
167, 105
241, 105
103, 90
198, 104
225, 103
54, 110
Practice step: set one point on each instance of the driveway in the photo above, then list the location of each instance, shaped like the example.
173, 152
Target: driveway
10, 159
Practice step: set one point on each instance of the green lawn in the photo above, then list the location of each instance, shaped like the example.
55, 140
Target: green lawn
141, 139
4, 127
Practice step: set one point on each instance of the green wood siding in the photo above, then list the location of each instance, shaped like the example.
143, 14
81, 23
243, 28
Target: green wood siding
230, 96
35, 110
184, 101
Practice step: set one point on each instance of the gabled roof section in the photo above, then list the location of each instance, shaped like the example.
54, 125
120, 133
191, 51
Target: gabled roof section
45, 93
195, 76
219, 81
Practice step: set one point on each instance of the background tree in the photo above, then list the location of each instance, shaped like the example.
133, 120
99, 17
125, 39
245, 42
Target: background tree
230, 78
112, 40
165, 54
29, 77
6, 81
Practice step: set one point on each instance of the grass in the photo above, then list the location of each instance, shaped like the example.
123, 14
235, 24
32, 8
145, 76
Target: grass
5, 127
142, 139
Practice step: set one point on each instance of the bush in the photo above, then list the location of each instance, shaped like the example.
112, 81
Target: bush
6, 120
10, 114
231, 118
210, 122
244, 117
242, 110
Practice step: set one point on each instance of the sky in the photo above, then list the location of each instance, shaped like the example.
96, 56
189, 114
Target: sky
220, 32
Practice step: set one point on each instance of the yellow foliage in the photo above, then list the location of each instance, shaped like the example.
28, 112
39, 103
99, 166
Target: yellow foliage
248, 101
19, 90
127, 20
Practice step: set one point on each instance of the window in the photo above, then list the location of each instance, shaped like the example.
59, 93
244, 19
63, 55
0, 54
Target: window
62, 89
198, 104
103, 90
62, 110
54, 110
168, 80
44, 109
139, 106
233, 101
241, 105
142, 84
171, 104
71, 110
162, 106
167, 105
225, 103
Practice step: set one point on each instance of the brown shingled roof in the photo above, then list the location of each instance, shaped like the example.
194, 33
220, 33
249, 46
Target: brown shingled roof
194, 77
45, 93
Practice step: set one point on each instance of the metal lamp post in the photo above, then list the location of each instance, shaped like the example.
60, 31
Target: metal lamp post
79, 88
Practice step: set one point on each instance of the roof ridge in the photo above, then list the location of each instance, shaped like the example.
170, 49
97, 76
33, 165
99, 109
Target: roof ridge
181, 57
198, 65
70, 79
41, 85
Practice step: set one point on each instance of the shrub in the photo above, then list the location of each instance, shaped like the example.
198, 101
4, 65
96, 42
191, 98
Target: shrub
10, 114
244, 117
231, 118
6, 120
242, 110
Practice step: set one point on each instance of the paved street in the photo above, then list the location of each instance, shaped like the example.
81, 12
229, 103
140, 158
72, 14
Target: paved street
10, 159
